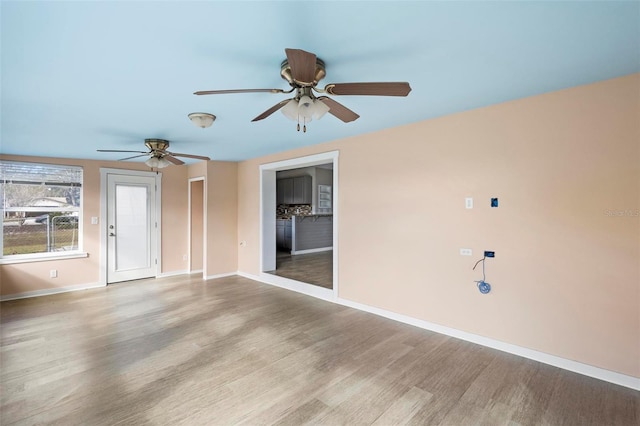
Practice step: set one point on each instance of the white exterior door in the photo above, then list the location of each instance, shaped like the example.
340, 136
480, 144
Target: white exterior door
131, 228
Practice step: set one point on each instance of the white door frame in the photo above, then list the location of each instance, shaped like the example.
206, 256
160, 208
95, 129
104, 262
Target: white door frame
268, 223
204, 224
104, 172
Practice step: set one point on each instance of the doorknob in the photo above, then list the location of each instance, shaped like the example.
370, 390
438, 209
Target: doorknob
111, 234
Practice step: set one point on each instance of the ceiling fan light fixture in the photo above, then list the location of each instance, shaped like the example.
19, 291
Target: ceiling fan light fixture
319, 109
202, 119
157, 162
305, 108
290, 110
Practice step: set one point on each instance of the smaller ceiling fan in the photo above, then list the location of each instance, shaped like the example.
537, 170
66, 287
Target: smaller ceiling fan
303, 70
159, 157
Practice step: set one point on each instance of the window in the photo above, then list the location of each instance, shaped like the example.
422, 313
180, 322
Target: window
41, 210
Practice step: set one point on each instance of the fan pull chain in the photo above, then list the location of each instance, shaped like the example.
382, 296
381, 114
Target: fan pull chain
304, 124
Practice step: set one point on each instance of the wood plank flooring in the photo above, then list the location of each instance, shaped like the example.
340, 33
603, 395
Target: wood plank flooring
311, 268
182, 351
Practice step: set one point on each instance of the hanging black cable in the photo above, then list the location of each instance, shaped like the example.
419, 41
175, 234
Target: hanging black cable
483, 286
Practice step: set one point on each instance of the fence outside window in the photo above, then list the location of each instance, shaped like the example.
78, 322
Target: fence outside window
41, 208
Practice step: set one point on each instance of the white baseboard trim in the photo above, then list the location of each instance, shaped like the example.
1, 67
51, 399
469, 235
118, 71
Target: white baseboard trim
247, 275
325, 294
315, 250
50, 291
293, 285
195, 271
172, 273
556, 361
226, 274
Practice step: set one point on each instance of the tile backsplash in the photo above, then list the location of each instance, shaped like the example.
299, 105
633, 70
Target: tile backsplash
285, 211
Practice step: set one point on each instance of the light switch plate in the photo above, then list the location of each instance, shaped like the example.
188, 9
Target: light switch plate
468, 202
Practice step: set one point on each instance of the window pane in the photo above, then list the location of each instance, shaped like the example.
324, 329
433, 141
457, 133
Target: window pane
132, 227
41, 207
49, 232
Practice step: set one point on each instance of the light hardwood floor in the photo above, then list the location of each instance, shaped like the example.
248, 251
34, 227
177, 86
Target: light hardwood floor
311, 268
233, 351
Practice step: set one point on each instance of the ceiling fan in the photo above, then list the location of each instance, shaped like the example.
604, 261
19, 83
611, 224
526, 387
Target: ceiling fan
159, 157
303, 70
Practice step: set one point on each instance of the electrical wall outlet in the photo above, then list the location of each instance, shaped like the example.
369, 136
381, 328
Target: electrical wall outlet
489, 254
468, 202
53, 273
466, 252
185, 257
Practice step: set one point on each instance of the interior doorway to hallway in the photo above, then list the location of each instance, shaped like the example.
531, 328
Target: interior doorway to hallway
197, 225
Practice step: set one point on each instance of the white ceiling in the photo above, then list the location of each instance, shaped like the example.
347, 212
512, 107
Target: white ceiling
81, 76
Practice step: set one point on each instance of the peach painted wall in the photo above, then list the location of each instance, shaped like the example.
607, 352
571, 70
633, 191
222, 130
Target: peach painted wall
198, 169
564, 165
175, 224
33, 276
222, 218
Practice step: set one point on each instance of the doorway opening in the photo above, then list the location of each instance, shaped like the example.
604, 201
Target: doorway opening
299, 223
197, 226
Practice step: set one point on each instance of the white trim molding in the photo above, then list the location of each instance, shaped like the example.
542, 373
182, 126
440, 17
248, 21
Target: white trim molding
268, 218
556, 361
293, 285
171, 274
47, 257
50, 291
226, 274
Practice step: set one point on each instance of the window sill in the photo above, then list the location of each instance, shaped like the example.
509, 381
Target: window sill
47, 257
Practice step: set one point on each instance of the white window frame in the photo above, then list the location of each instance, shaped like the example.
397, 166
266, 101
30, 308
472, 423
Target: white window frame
36, 257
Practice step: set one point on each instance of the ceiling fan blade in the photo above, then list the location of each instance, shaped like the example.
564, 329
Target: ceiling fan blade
338, 110
303, 65
224, 92
119, 150
173, 159
135, 156
373, 89
271, 110
197, 157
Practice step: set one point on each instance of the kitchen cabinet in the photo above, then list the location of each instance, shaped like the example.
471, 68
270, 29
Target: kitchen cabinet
302, 190
283, 234
287, 235
280, 234
284, 191
296, 190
